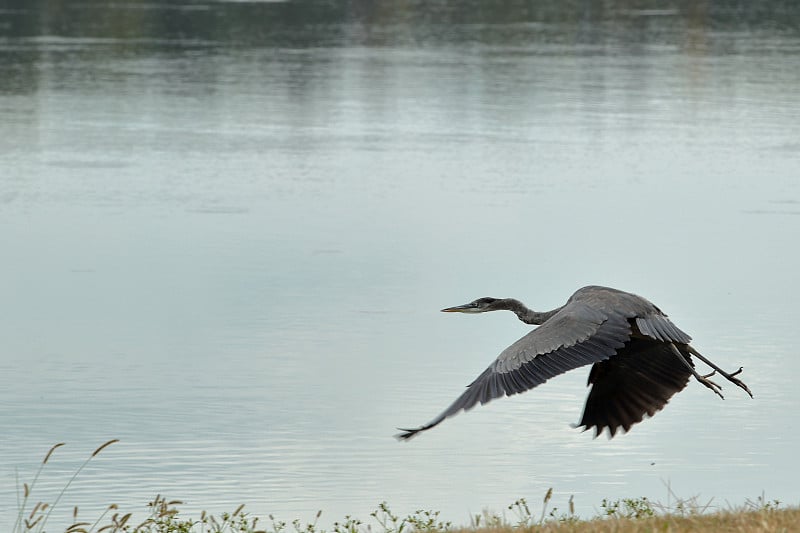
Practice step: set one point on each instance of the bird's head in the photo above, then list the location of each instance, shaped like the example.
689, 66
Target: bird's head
481, 305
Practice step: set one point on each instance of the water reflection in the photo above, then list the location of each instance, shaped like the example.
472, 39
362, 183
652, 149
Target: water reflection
133, 26
230, 226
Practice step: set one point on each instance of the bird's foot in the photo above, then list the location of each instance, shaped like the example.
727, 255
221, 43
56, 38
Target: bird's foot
737, 382
710, 384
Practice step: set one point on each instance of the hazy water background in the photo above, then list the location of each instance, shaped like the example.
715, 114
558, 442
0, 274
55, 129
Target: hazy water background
227, 229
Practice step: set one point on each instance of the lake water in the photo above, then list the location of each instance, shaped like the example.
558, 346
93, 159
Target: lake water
227, 229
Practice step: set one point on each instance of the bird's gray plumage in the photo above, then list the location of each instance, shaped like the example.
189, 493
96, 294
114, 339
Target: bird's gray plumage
641, 359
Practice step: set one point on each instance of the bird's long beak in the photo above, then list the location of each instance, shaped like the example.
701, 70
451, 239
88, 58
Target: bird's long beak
466, 308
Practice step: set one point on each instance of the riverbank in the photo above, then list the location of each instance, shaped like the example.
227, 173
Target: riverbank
627, 515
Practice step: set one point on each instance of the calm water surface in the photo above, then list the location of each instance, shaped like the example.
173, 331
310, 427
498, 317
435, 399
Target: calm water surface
227, 230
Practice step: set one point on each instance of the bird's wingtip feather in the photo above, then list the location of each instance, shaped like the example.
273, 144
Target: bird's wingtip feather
406, 434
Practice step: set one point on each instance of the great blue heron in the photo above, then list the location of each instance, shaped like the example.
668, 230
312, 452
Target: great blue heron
639, 358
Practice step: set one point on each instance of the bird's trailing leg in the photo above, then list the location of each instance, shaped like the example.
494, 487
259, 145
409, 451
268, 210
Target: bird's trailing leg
702, 379
730, 377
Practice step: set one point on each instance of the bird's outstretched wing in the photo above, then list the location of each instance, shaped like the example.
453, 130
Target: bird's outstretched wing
639, 380
577, 335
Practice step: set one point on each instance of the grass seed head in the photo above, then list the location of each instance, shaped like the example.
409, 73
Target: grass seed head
50, 452
104, 446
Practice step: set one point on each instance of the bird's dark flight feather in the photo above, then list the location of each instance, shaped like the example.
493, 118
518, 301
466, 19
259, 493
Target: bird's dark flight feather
639, 380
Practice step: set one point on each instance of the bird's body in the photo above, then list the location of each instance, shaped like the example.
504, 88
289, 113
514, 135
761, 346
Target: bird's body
640, 358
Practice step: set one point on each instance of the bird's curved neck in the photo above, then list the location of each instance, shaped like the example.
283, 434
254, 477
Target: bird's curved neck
529, 316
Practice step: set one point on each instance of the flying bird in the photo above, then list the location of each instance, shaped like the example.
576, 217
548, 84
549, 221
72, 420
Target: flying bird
639, 358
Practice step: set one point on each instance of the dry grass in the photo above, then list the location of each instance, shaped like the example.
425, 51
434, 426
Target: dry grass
680, 515
772, 521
